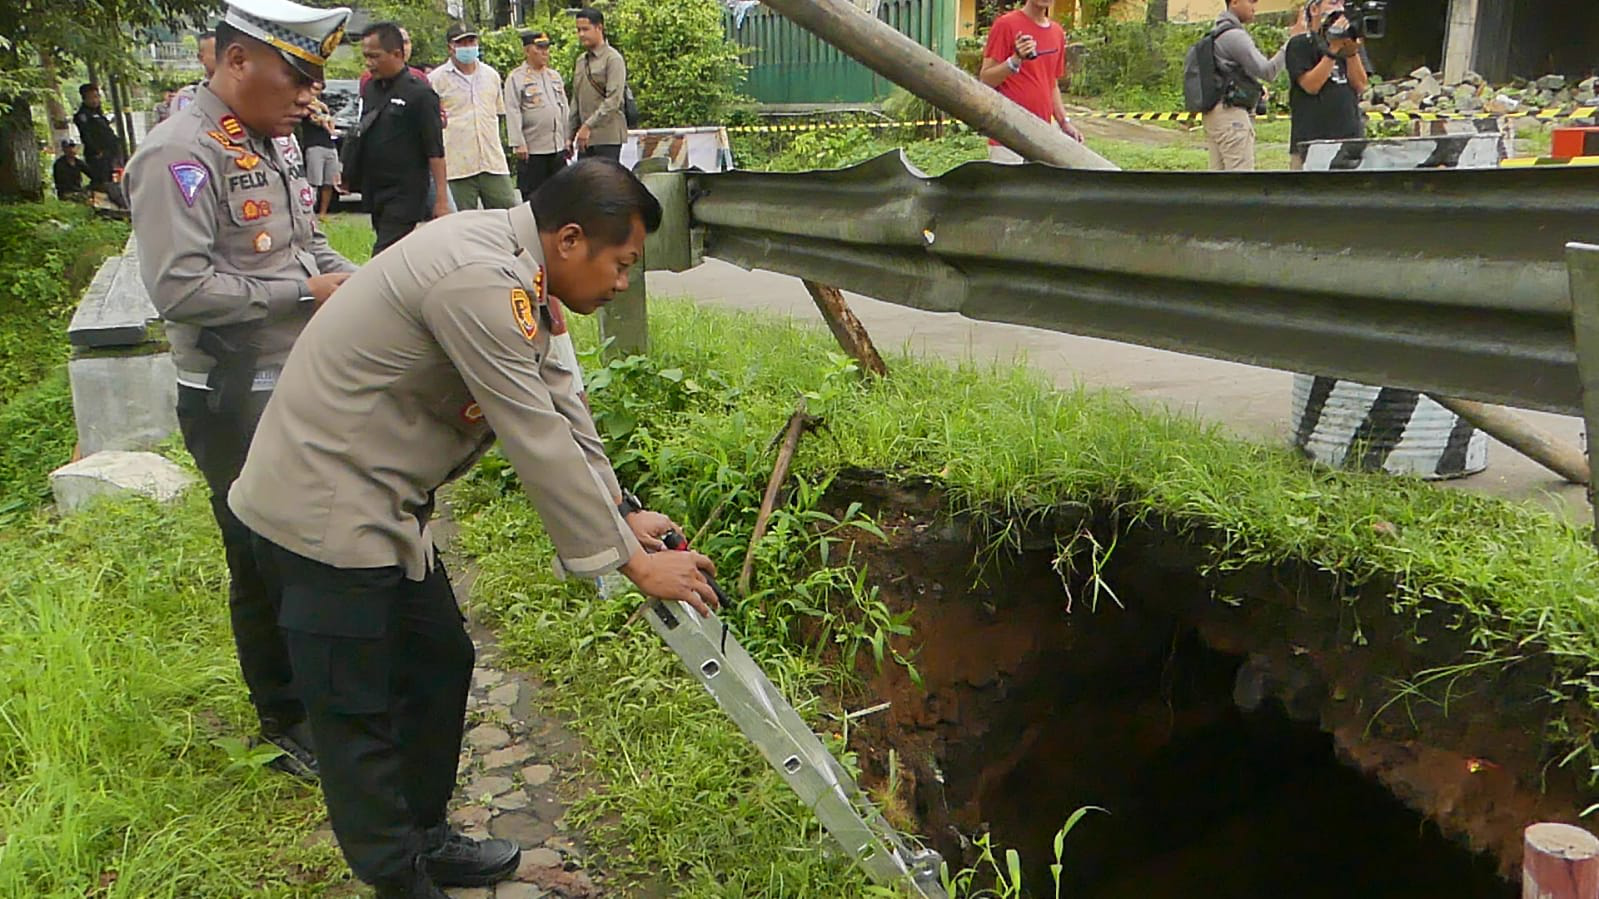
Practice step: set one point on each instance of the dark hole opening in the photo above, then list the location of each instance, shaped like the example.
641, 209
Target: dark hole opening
1207, 796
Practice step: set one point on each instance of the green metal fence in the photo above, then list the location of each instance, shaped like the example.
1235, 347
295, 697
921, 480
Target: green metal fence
790, 65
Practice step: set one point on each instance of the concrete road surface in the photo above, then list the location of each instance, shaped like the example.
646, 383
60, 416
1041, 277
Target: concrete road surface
1253, 402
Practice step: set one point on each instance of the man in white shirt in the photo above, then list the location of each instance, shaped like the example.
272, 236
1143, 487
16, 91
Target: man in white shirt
469, 93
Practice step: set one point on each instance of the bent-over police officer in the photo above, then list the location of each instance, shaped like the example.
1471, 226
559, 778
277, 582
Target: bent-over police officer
428, 354
232, 257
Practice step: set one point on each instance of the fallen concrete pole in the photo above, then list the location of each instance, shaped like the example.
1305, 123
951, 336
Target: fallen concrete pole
927, 75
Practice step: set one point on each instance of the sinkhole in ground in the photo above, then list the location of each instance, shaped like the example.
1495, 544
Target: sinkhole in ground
1232, 724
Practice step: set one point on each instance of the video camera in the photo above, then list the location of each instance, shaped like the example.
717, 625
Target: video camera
1363, 20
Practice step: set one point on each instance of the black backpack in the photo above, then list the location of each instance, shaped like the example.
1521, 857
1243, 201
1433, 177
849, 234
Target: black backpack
1204, 84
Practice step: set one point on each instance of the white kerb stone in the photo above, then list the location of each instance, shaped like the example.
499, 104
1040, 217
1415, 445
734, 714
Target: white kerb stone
113, 473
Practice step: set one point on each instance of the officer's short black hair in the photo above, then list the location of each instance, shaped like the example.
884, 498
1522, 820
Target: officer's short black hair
83, 89
205, 36
599, 195
389, 36
592, 16
227, 36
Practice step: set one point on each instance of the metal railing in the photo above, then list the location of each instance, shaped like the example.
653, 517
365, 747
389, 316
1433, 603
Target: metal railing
1452, 282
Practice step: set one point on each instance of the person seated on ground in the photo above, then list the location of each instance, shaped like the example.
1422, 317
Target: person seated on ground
70, 173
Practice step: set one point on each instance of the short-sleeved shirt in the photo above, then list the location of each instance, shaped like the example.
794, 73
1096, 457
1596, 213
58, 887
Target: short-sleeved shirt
472, 106
1332, 114
401, 139
1033, 88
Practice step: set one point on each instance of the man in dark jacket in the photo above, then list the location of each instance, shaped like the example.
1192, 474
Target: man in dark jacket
69, 172
402, 141
102, 149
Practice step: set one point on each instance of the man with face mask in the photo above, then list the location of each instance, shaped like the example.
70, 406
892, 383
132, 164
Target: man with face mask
232, 257
434, 351
474, 156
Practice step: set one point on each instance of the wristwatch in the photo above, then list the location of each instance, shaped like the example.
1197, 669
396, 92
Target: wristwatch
629, 504
1014, 64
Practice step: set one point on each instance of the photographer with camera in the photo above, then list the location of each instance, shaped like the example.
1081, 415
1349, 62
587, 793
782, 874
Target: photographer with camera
1230, 124
1327, 75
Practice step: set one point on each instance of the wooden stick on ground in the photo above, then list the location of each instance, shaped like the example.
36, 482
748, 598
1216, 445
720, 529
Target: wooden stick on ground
846, 328
785, 456
1522, 436
1560, 862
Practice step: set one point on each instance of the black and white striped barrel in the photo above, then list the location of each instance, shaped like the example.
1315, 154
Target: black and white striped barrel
1352, 425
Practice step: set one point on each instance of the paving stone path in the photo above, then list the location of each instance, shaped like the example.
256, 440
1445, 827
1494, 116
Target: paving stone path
513, 765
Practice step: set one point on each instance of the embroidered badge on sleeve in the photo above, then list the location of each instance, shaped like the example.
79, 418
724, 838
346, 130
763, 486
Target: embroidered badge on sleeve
190, 177
522, 310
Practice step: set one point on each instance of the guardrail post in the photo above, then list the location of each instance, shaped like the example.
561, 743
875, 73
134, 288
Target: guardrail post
1560, 861
1582, 264
625, 320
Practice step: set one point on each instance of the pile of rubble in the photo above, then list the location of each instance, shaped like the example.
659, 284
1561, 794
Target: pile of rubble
1424, 91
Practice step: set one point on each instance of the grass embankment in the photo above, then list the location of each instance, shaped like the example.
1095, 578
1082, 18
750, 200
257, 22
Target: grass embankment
693, 426
52, 251
122, 769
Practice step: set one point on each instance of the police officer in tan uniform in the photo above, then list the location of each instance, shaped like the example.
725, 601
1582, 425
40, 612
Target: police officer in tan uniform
231, 256
536, 113
426, 356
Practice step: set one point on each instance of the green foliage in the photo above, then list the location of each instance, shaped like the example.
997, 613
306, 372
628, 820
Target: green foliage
52, 252
38, 432
1139, 67
122, 771
680, 63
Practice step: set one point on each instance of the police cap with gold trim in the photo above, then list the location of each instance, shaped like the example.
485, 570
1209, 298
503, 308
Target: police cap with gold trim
304, 35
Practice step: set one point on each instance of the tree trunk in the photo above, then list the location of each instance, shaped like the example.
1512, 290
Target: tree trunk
1155, 13
55, 110
20, 176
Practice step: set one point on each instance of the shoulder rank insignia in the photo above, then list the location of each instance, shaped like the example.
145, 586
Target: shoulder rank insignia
472, 413
232, 126
190, 177
538, 286
242, 157
522, 310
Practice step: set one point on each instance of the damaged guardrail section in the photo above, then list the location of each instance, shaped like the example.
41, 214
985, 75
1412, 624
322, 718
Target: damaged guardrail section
1453, 282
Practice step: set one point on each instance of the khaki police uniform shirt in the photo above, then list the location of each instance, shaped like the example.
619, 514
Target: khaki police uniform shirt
227, 233
536, 110
598, 85
403, 380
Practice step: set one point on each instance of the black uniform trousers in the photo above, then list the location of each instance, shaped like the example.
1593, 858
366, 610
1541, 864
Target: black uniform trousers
536, 169
604, 151
384, 665
390, 222
219, 440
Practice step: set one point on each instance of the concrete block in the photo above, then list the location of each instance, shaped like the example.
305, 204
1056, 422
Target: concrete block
124, 402
115, 310
114, 473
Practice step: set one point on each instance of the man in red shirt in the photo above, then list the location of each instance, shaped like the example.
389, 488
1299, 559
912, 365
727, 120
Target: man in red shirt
1025, 59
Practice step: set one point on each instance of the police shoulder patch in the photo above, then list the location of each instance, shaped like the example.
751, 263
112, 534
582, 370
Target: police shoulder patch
522, 310
190, 177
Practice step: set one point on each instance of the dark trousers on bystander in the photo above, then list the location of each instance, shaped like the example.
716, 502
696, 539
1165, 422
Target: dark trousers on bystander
607, 151
383, 665
535, 170
219, 440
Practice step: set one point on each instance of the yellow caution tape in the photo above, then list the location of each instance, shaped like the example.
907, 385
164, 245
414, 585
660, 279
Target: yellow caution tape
1527, 162
1547, 115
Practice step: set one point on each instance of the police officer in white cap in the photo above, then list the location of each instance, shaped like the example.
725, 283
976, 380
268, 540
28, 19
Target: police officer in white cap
232, 257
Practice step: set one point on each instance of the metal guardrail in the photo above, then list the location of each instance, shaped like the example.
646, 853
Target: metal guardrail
1453, 282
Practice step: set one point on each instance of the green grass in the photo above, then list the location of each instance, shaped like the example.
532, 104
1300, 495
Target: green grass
38, 431
693, 426
121, 774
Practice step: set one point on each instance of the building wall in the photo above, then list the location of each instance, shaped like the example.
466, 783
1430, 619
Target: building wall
1206, 10
965, 18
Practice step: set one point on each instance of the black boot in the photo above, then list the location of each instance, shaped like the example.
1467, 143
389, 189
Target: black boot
299, 753
418, 886
456, 860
